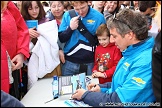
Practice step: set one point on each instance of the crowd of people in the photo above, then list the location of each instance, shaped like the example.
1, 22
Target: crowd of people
118, 42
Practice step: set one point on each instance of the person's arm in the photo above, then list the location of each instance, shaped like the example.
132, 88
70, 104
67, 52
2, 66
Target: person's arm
67, 27
9, 101
23, 37
65, 35
107, 15
138, 81
95, 61
99, 99
105, 85
64, 32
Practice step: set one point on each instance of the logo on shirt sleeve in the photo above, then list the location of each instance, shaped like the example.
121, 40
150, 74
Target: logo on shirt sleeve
138, 80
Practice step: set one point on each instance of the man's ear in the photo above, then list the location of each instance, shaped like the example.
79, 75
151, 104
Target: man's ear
130, 35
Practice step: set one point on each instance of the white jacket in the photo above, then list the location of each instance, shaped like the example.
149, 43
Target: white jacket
45, 54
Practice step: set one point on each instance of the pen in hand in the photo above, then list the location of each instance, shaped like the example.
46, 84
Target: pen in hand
73, 98
93, 87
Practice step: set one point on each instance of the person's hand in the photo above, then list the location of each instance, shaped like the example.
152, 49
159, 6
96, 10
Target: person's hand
33, 33
106, 7
98, 74
93, 73
93, 87
109, 8
78, 94
61, 55
74, 23
17, 62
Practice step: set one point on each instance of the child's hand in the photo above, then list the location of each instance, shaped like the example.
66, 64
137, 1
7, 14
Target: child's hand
93, 87
74, 23
98, 74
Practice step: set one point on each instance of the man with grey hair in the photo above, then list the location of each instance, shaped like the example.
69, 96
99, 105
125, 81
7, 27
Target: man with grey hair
131, 83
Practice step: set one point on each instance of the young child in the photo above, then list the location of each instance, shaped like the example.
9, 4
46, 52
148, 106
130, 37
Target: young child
107, 56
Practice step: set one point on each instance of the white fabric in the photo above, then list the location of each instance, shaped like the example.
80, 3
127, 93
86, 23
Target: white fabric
154, 29
11, 80
45, 54
31, 46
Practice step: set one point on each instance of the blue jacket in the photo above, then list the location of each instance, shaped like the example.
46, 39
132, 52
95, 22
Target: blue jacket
131, 81
77, 48
9, 101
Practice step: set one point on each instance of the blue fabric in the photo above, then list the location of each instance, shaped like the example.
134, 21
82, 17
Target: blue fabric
131, 81
99, 99
78, 48
104, 90
9, 101
132, 78
69, 68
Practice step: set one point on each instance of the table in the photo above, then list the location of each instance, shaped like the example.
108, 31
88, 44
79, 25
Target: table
41, 92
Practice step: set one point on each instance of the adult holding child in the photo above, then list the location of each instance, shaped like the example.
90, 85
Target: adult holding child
131, 83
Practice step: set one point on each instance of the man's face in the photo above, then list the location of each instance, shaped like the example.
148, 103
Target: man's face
82, 9
120, 42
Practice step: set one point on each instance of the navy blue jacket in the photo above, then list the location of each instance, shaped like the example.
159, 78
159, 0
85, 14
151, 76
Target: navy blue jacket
9, 101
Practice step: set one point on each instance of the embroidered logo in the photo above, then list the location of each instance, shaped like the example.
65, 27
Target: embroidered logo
90, 21
126, 65
138, 80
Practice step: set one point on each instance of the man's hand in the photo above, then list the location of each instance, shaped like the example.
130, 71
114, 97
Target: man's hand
98, 74
74, 23
93, 87
78, 94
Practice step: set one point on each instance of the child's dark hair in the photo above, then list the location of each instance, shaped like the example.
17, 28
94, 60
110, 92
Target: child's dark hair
101, 29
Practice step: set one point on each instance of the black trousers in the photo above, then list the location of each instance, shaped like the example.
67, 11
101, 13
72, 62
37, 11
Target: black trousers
19, 89
14, 90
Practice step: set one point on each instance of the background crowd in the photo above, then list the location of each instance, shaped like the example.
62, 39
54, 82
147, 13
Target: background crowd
117, 34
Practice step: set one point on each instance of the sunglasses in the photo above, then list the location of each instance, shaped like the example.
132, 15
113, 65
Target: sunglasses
114, 18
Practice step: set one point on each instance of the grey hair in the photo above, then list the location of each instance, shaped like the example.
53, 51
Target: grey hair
128, 20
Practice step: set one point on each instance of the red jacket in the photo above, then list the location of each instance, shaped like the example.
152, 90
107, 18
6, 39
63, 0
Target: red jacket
4, 70
14, 32
14, 36
106, 59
